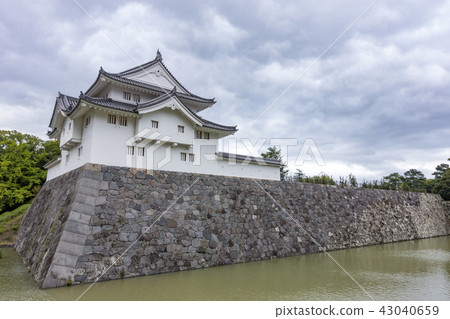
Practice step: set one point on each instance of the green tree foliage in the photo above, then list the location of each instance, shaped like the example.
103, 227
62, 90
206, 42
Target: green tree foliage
22, 158
299, 176
324, 179
429, 185
440, 170
393, 181
442, 186
320, 179
274, 153
414, 180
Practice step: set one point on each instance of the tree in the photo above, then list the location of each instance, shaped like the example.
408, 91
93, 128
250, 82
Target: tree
274, 153
429, 185
442, 186
22, 157
414, 180
320, 179
440, 170
299, 176
352, 180
393, 181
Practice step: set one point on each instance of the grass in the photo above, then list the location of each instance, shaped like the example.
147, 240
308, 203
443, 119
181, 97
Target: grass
10, 223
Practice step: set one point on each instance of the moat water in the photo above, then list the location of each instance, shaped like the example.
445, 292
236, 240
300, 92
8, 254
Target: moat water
413, 270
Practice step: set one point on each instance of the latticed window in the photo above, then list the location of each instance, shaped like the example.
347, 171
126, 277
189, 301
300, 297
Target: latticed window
155, 124
136, 98
112, 119
122, 121
130, 150
127, 96
140, 151
183, 156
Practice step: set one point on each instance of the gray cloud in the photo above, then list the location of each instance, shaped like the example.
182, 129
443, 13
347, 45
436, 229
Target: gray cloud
377, 102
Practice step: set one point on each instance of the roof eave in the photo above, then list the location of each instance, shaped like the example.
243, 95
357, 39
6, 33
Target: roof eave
249, 159
52, 163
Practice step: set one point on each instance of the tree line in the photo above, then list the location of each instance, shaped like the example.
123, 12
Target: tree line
22, 173
412, 180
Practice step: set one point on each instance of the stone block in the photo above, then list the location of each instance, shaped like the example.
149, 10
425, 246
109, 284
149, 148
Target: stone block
93, 175
74, 238
100, 201
65, 260
76, 227
171, 248
83, 208
88, 191
81, 218
171, 223
196, 242
85, 199
70, 248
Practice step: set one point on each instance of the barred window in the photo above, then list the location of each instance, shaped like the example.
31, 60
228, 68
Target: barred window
127, 96
183, 156
112, 119
130, 150
122, 121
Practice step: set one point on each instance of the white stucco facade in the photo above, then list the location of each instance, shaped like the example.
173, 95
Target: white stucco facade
144, 118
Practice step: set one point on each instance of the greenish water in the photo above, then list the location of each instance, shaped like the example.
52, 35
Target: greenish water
414, 270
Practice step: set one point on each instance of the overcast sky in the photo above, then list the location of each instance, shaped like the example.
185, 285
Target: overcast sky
377, 102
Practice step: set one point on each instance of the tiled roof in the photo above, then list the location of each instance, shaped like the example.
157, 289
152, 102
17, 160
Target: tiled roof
155, 88
110, 103
157, 59
69, 104
206, 123
251, 159
159, 99
213, 125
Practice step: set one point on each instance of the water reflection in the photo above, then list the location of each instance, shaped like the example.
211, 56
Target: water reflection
414, 270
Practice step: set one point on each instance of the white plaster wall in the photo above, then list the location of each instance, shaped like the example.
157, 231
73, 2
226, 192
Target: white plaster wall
108, 144
87, 143
168, 121
66, 134
53, 172
168, 157
116, 93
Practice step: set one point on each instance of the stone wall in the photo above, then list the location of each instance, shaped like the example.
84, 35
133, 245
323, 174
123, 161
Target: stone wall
132, 223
